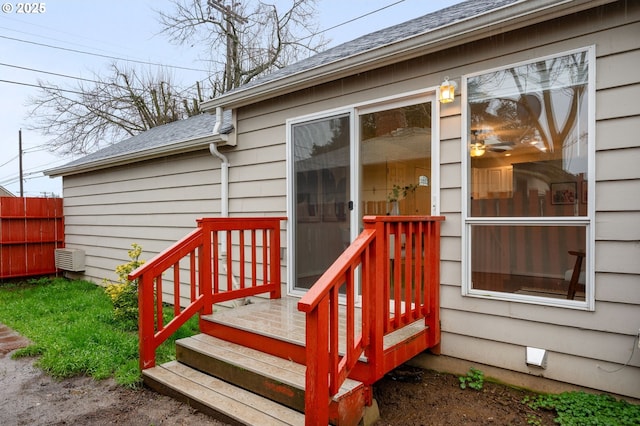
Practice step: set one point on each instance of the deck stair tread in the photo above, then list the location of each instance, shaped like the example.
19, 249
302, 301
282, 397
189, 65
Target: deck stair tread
281, 319
283, 371
233, 403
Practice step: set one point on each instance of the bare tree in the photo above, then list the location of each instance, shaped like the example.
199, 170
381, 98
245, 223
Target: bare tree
240, 45
97, 113
254, 42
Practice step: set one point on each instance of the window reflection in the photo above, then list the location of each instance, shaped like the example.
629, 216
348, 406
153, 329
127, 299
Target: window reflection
528, 139
528, 161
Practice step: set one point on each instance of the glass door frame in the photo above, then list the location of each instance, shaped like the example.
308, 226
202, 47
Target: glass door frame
355, 111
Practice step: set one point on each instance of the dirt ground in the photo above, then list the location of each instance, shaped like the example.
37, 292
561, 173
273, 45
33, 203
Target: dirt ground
411, 396
408, 396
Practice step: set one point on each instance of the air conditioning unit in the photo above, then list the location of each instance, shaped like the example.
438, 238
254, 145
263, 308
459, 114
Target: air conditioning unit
70, 259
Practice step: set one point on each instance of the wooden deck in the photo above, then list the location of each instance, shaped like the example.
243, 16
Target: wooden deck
280, 319
242, 385
319, 355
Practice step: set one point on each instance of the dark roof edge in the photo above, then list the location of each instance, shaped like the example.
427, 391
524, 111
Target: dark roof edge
188, 145
502, 19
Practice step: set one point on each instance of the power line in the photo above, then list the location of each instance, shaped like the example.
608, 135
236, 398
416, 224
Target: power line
4, 164
21, 83
178, 91
353, 19
47, 72
51, 38
144, 62
100, 55
8, 180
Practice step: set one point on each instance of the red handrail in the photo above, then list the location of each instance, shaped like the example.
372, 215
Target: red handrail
194, 263
398, 258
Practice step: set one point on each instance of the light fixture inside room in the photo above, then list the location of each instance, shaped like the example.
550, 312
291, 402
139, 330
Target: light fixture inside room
447, 91
477, 149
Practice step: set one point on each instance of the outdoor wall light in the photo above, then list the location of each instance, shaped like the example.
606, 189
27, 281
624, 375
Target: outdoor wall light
536, 357
447, 91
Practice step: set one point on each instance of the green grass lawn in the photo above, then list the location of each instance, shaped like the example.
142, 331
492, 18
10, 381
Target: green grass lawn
73, 330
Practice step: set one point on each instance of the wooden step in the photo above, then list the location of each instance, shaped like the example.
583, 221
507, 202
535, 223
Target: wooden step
275, 378
217, 398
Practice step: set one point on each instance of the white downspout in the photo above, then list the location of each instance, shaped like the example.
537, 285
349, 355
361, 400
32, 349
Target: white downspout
224, 199
224, 180
224, 169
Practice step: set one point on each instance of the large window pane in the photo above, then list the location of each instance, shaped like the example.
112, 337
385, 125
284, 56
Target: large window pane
395, 152
528, 139
529, 260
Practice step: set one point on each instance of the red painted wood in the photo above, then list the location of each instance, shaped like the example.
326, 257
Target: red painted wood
30, 231
146, 322
279, 348
203, 273
417, 264
317, 377
176, 288
409, 281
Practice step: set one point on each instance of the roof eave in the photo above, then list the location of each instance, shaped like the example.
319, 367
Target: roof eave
507, 18
182, 147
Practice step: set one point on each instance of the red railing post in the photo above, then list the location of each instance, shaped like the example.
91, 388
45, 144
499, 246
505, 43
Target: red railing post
377, 296
146, 323
433, 305
317, 377
205, 259
274, 260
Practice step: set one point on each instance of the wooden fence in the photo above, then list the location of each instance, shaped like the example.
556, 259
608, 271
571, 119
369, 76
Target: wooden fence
30, 231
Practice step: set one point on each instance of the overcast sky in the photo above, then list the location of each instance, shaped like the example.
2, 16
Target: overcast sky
125, 29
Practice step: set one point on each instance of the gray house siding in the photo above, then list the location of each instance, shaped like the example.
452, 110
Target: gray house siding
152, 203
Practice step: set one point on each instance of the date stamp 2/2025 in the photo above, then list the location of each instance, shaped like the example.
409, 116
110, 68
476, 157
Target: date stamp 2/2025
24, 8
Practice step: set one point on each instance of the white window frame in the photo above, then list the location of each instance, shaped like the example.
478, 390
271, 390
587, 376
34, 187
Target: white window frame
588, 222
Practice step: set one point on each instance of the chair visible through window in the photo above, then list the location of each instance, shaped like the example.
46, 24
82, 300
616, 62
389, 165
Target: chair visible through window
575, 277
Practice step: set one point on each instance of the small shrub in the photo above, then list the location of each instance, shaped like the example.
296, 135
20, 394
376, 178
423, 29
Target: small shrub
124, 293
474, 379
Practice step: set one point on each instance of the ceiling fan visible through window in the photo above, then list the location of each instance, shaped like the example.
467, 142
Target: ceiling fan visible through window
485, 140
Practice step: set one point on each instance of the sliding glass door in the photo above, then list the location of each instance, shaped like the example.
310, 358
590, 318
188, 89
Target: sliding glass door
365, 161
321, 173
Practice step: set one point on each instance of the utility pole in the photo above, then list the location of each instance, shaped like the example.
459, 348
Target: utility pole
20, 161
229, 14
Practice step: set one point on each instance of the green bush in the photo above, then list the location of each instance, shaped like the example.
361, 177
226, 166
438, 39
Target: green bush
124, 293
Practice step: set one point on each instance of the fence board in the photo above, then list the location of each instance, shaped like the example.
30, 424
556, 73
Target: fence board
30, 231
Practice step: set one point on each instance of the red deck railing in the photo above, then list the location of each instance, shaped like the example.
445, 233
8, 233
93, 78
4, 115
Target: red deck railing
392, 267
252, 250
396, 262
